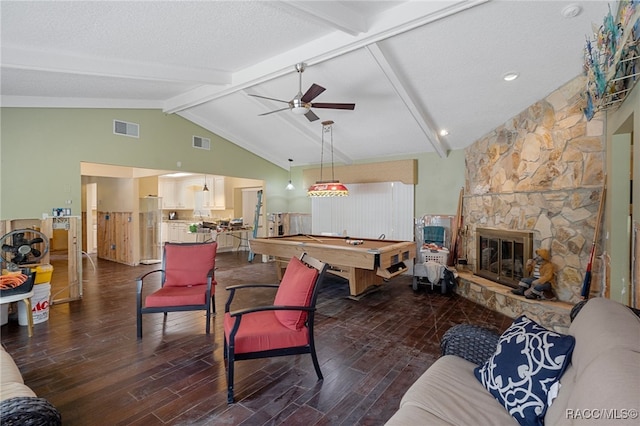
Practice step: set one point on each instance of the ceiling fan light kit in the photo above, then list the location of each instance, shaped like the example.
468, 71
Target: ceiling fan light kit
327, 188
301, 104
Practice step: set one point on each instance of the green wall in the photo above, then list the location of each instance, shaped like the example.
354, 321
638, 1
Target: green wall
41, 150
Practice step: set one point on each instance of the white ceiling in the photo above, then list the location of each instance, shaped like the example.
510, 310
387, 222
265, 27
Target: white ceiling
411, 67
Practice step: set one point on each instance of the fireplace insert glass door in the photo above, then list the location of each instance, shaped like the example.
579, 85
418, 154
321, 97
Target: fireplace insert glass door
502, 255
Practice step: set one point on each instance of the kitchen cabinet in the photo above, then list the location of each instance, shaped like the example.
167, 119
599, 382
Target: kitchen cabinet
166, 190
189, 237
164, 233
233, 240
175, 231
214, 199
178, 193
218, 201
178, 232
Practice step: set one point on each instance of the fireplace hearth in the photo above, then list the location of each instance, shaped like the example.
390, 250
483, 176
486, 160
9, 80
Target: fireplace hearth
502, 254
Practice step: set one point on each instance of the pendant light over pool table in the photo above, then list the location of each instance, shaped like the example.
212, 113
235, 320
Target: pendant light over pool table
327, 188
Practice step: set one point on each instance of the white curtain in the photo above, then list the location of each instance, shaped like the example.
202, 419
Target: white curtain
370, 211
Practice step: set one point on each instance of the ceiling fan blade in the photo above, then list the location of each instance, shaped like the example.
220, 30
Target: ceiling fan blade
311, 116
333, 106
271, 112
265, 97
311, 94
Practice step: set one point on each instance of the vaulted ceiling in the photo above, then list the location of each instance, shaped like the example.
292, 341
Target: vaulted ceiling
411, 67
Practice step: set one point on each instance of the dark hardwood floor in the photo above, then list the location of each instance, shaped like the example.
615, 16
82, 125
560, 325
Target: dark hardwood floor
87, 361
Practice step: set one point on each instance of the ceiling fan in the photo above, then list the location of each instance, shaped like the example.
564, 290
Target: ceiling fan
301, 104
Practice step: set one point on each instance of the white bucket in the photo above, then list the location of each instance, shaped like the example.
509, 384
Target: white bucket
39, 305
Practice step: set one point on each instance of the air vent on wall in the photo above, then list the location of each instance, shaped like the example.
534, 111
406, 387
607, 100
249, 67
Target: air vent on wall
201, 143
126, 129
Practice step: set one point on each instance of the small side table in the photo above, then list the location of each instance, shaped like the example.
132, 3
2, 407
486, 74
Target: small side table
26, 298
471, 342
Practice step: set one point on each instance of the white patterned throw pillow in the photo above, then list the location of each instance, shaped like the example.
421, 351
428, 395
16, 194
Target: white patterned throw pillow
529, 360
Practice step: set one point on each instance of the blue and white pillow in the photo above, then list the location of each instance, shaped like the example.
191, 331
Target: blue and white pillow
528, 361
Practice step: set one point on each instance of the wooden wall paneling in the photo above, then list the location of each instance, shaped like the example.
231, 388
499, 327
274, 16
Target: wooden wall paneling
123, 237
115, 231
84, 231
405, 171
120, 231
106, 236
74, 263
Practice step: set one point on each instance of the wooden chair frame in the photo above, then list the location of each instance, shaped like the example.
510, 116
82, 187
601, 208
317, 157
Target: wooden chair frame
229, 346
209, 306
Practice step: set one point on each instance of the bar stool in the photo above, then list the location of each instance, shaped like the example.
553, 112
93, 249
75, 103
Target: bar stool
26, 299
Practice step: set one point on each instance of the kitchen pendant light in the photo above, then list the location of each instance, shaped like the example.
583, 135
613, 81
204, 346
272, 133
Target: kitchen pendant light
290, 186
205, 188
327, 188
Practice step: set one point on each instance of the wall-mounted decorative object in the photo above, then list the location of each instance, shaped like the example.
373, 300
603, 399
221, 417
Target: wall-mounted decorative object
612, 58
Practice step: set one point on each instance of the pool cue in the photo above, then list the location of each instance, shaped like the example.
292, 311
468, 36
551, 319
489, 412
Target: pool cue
586, 284
455, 234
314, 238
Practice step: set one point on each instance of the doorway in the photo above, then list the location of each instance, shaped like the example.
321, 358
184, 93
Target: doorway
90, 241
622, 223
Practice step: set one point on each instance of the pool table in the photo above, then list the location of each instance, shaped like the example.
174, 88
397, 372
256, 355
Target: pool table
365, 263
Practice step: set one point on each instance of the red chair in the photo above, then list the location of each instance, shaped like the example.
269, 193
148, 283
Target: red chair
187, 282
284, 328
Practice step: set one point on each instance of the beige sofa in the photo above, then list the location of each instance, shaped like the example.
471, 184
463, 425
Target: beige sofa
19, 405
601, 385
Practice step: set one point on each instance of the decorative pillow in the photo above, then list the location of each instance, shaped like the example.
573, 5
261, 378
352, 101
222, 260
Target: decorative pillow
528, 361
187, 264
295, 289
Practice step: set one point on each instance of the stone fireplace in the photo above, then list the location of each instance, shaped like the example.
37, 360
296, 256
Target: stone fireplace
503, 254
540, 173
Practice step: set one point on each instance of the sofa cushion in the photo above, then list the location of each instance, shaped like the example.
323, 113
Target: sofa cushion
12, 383
528, 362
601, 326
606, 393
606, 357
414, 415
448, 393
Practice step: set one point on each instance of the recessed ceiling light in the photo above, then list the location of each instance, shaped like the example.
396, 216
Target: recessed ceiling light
444, 132
510, 76
571, 11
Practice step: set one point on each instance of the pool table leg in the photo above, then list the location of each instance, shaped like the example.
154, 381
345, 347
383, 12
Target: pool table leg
362, 281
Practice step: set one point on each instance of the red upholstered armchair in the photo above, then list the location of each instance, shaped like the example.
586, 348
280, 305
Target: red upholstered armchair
187, 282
284, 328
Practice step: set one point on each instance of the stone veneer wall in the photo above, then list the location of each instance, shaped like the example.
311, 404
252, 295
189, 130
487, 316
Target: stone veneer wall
542, 171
